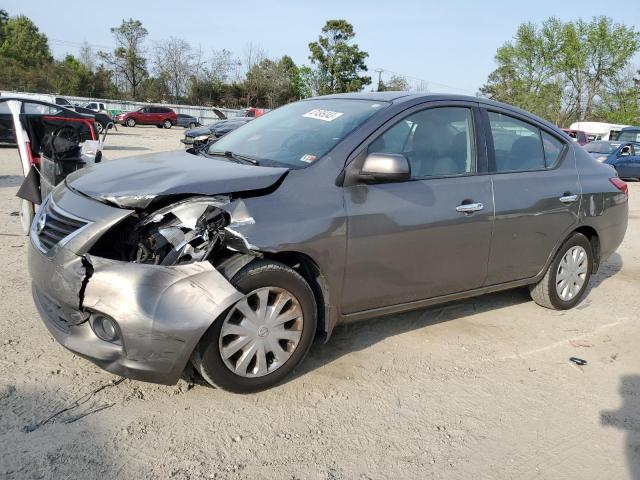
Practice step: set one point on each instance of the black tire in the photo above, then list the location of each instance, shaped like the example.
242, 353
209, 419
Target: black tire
545, 293
258, 274
192, 125
167, 124
68, 133
131, 122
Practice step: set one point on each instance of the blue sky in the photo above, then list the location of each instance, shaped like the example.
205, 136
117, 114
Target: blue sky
450, 43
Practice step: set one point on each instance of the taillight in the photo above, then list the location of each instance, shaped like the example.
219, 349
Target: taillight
620, 185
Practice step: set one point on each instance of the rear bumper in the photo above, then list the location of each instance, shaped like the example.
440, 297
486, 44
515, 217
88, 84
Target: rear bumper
161, 312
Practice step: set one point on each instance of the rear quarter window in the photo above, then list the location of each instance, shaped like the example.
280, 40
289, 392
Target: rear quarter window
553, 148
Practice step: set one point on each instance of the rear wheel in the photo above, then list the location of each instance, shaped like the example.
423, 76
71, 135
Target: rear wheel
566, 279
192, 125
265, 335
167, 124
131, 122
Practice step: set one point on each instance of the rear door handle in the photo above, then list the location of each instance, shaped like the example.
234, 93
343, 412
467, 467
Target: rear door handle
469, 207
568, 198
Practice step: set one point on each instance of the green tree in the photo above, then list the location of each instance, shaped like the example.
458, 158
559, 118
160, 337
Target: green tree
4, 17
593, 55
128, 60
306, 79
528, 72
23, 42
339, 61
270, 83
563, 71
396, 83
621, 101
70, 77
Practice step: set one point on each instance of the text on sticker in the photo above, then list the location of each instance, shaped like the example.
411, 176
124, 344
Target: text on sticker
326, 115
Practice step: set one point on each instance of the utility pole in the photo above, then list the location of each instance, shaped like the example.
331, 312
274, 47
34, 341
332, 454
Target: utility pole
379, 71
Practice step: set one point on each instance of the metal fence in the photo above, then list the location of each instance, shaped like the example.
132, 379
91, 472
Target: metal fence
203, 114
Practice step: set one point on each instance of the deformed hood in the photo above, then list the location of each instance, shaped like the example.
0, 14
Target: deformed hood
196, 132
135, 181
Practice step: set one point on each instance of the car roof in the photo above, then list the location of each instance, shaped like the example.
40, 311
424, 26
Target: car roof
399, 96
48, 104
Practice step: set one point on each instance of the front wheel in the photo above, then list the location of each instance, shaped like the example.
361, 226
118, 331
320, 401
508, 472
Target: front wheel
566, 279
167, 124
131, 122
265, 335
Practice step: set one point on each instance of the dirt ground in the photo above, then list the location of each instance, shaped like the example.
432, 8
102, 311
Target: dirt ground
477, 389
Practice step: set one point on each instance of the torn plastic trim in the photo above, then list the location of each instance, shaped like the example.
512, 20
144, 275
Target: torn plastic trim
237, 242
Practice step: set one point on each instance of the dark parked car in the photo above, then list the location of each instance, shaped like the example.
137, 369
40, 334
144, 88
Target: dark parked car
103, 121
327, 210
198, 137
158, 116
186, 121
41, 125
44, 118
623, 156
629, 134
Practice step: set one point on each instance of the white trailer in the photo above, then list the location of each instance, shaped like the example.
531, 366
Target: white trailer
598, 130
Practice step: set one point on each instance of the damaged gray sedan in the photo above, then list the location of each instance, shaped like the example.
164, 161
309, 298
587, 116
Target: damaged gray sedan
324, 211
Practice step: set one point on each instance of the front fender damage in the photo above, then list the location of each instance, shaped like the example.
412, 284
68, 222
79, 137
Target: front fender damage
162, 312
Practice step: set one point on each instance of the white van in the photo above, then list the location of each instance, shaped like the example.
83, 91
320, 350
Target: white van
598, 130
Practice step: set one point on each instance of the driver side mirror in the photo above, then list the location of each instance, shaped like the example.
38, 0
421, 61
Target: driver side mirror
625, 152
385, 168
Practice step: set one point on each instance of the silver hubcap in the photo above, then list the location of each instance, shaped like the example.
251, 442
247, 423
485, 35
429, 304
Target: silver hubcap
572, 273
261, 332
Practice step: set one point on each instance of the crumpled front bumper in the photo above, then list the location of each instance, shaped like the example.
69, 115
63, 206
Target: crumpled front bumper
161, 312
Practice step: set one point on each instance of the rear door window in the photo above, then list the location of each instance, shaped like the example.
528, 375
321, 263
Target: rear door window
517, 144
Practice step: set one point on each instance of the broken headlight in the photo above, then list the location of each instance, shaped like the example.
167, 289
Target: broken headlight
184, 232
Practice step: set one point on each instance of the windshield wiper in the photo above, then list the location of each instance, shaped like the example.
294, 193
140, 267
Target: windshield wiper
239, 158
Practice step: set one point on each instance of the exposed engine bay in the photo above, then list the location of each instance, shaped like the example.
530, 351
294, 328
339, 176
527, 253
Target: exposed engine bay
184, 232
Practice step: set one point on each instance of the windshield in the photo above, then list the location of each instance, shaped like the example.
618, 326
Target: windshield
601, 147
297, 134
629, 136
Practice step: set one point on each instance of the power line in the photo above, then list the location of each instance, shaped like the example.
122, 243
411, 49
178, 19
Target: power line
71, 43
426, 83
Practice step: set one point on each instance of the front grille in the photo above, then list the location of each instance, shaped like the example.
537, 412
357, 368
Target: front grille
53, 225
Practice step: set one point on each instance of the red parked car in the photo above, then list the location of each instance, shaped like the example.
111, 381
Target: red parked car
159, 116
253, 112
578, 136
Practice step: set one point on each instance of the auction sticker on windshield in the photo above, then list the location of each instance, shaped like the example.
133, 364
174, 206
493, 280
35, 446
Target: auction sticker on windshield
325, 115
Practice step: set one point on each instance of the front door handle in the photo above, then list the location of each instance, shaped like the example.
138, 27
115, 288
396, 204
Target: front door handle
469, 207
568, 198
